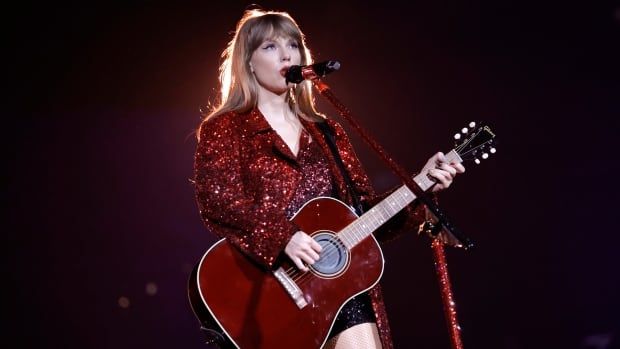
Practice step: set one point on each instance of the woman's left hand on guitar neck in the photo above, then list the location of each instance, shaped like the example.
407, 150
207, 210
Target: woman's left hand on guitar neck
442, 171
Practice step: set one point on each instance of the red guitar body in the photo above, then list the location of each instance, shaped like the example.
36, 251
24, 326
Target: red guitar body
253, 308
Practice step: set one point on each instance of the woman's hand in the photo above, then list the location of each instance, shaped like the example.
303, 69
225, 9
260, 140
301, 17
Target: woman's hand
302, 249
441, 171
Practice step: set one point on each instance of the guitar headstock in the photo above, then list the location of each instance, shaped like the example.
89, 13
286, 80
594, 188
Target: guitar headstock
475, 142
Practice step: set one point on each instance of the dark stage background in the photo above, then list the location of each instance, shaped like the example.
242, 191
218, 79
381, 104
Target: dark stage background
103, 99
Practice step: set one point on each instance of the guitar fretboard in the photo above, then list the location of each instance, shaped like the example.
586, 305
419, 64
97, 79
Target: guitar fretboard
370, 221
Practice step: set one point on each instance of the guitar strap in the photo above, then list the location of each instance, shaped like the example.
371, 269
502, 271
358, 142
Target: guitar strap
330, 139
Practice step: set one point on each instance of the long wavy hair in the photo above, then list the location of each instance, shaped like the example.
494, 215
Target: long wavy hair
239, 87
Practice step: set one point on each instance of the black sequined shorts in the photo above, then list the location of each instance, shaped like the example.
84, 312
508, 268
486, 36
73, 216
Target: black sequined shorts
356, 311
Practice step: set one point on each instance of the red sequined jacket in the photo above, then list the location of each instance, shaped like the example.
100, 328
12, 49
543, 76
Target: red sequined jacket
245, 176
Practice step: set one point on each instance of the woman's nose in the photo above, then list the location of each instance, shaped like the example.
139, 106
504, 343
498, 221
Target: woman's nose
286, 56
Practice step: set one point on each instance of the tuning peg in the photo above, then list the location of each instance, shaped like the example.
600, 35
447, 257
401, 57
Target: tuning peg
477, 161
485, 155
472, 124
457, 136
492, 150
464, 130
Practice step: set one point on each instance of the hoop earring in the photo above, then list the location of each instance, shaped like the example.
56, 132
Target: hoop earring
291, 94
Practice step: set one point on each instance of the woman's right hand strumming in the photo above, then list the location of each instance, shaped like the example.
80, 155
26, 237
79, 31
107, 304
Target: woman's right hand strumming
302, 249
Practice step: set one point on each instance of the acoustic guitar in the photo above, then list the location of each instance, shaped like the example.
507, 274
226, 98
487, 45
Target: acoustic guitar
289, 308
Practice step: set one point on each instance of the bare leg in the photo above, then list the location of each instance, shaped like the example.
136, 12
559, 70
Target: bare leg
362, 336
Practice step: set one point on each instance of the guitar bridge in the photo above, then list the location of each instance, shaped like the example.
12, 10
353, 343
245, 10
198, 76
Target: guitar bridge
291, 287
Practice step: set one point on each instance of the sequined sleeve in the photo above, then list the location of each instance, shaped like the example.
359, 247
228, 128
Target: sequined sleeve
406, 221
258, 229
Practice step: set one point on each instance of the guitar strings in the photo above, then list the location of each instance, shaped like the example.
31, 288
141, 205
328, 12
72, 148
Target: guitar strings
300, 276
333, 241
294, 272
336, 244
380, 217
343, 239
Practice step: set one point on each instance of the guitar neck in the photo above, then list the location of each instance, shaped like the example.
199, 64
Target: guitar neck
370, 221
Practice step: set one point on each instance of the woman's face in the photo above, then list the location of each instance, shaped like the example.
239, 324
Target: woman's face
271, 60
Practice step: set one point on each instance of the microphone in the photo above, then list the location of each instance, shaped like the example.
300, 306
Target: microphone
299, 73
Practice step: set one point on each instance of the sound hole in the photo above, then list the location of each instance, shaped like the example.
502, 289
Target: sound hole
334, 255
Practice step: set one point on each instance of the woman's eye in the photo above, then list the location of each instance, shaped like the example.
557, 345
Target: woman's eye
269, 46
294, 45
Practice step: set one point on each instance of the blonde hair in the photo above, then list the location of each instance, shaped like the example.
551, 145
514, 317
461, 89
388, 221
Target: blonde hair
239, 88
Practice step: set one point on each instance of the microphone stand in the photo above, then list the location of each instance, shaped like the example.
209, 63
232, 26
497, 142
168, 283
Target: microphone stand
441, 220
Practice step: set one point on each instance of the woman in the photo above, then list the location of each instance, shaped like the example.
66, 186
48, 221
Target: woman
261, 156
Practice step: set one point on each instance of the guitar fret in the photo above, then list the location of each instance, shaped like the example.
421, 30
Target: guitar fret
345, 237
370, 222
382, 213
376, 219
356, 235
